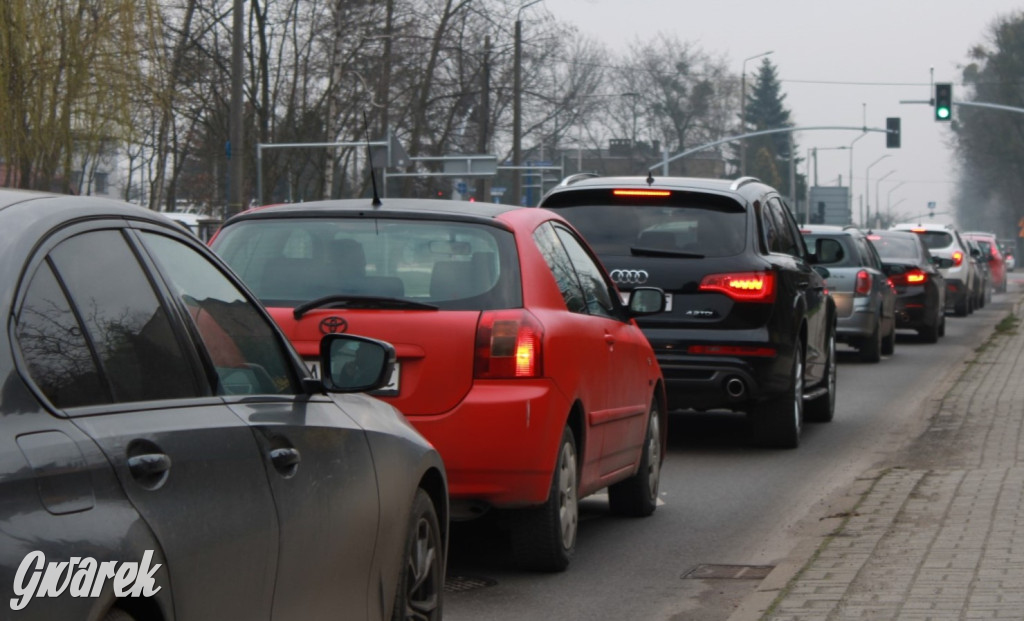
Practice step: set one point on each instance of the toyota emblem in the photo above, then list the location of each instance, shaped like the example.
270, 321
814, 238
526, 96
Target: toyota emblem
333, 325
629, 277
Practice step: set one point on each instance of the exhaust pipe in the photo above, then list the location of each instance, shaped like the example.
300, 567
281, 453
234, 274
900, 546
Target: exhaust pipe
734, 387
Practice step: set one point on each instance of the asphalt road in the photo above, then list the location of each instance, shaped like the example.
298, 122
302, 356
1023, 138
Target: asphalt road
730, 511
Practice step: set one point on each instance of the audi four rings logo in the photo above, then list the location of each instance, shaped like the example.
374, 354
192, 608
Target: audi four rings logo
333, 325
629, 277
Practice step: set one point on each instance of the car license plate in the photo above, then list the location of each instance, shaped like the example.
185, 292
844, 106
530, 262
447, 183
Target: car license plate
624, 296
389, 389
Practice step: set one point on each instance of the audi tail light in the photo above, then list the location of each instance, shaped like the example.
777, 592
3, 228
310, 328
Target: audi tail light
742, 286
508, 345
643, 193
958, 258
863, 284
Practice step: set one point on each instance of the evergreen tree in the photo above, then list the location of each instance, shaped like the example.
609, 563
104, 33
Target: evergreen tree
767, 157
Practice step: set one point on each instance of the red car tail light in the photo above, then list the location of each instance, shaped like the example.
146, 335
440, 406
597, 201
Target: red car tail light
958, 258
742, 286
910, 277
508, 345
863, 286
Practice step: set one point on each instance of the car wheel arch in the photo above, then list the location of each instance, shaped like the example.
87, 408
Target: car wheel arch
432, 482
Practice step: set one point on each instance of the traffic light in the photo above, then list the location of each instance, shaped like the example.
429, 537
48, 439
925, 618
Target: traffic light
892, 132
943, 101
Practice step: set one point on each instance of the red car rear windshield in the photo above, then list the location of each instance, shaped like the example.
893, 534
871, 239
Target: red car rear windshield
451, 265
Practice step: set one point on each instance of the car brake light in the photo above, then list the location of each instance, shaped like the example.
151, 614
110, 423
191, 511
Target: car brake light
863, 286
910, 277
958, 258
508, 345
874, 237
919, 230
641, 193
742, 286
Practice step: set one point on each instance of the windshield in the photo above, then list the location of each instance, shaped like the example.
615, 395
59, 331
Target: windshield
896, 247
701, 230
449, 265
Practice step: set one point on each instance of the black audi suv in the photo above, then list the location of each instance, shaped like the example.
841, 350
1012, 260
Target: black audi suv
749, 325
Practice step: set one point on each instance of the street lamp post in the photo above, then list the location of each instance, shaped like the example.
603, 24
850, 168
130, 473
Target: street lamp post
878, 203
867, 188
888, 197
517, 103
743, 109
849, 181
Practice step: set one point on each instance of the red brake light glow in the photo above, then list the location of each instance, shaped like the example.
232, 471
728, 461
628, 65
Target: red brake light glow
642, 193
918, 230
910, 277
742, 286
863, 286
958, 258
508, 345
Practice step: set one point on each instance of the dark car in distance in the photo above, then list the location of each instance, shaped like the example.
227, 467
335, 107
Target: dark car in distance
749, 325
916, 275
865, 301
155, 421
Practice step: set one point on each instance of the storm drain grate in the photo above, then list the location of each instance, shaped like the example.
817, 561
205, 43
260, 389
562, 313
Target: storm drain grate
728, 572
458, 584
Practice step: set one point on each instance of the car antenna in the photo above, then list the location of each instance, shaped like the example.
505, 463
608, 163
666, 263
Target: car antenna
369, 158
650, 178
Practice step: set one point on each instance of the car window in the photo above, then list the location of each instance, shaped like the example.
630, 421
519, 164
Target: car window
704, 224
450, 264
127, 330
891, 247
870, 258
243, 348
53, 345
597, 292
836, 250
558, 261
936, 239
786, 238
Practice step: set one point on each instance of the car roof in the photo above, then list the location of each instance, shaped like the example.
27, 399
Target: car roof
388, 206
829, 229
928, 226
744, 186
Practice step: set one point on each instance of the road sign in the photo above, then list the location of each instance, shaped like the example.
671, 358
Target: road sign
461, 187
497, 191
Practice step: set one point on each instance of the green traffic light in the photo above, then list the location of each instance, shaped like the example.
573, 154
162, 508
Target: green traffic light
942, 113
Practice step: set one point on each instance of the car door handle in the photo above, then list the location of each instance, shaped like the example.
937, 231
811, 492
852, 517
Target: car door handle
286, 460
149, 465
609, 338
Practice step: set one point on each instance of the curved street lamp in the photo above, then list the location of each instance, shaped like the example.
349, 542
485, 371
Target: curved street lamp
867, 188
878, 203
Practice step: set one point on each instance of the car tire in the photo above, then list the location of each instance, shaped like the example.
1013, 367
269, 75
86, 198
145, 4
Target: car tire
544, 537
963, 306
889, 342
822, 408
421, 581
929, 333
942, 323
871, 346
637, 496
777, 423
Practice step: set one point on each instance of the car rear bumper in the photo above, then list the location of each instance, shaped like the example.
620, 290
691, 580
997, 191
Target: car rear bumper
712, 382
499, 443
857, 325
956, 291
912, 310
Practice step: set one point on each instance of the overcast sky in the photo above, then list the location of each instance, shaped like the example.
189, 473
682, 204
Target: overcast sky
835, 60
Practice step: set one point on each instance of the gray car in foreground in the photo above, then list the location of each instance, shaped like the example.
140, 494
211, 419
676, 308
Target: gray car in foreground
164, 453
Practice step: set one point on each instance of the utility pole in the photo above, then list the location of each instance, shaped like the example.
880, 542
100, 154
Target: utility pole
235, 150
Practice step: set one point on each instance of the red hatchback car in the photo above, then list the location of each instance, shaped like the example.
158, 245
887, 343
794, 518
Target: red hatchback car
990, 252
517, 358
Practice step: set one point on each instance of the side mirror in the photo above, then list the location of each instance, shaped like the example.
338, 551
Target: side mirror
975, 253
646, 301
351, 363
822, 271
828, 251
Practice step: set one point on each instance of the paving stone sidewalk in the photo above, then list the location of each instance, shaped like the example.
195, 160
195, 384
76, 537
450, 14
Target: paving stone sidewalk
941, 536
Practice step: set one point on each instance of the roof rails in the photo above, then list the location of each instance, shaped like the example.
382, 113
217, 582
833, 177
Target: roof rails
742, 181
571, 179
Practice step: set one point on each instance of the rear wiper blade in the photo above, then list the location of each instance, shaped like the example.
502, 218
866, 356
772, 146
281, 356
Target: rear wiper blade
659, 252
359, 301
